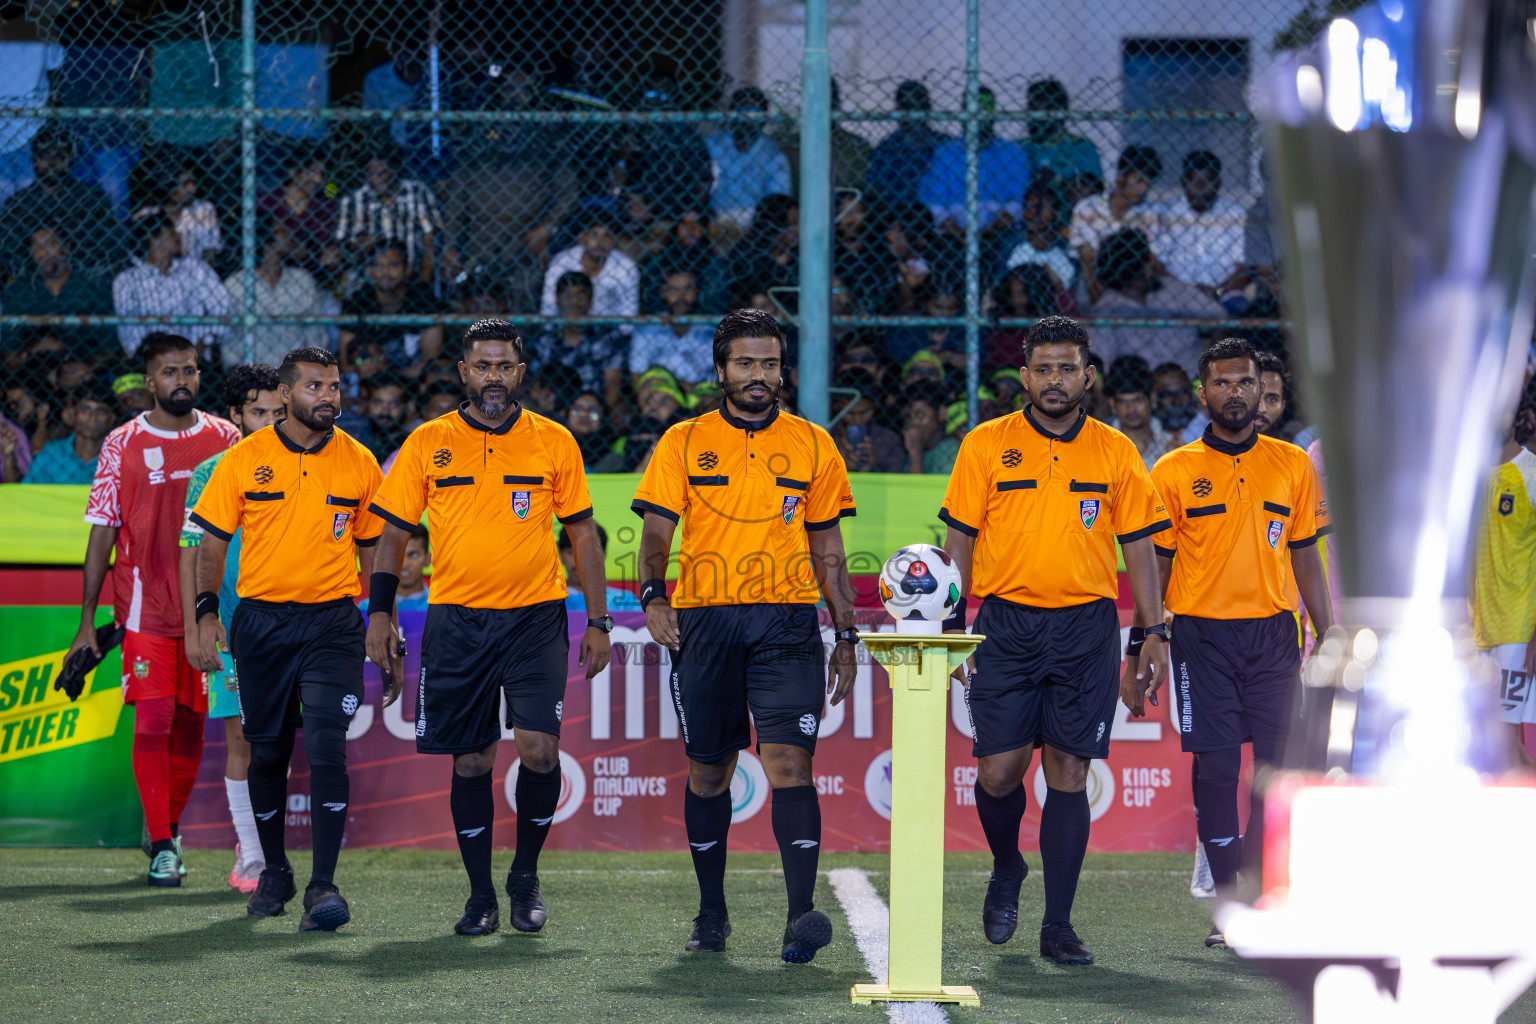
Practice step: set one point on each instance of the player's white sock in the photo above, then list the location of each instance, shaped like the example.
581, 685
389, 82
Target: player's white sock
239, 793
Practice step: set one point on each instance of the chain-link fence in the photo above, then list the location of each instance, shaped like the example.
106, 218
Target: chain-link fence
373, 176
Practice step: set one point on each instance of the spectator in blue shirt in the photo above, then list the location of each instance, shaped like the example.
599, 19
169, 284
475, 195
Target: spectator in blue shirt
72, 460
901, 159
1055, 152
1003, 169
745, 163
619, 599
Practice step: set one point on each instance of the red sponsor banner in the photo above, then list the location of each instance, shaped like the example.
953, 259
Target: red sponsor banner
624, 769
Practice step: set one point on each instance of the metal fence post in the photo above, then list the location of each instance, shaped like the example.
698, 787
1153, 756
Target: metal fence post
972, 212
815, 216
248, 175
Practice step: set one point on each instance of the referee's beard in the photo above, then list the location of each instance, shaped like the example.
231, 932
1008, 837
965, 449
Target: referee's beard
492, 401
751, 403
1234, 417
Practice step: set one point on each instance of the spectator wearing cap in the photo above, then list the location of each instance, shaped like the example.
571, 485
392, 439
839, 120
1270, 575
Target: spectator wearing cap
163, 283
1070, 161
705, 397
57, 199
1129, 389
923, 430
15, 452
850, 152
901, 159
596, 353
1125, 207
1202, 230
660, 402
281, 290
389, 208
1009, 389
131, 395
52, 286
72, 460
866, 446
1135, 285
687, 350
588, 423
745, 164
923, 366
1003, 176
619, 599
615, 277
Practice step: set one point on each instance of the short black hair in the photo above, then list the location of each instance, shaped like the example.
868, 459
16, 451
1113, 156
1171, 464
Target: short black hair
287, 372
1047, 94
492, 329
1162, 368
1056, 330
573, 279
245, 379
749, 97
159, 343
1228, 348
419, 532
1142, 159
380, 248
91, 390
563, 539
1271, 363
913, 96
1125, 380
147, 227
53, 136
1121, 257
746, 322
1201, 161
929, 392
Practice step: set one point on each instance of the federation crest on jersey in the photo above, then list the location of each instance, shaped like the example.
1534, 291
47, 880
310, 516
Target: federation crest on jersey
520, 504
1506, 504
791, 502
1275, 526
339, 524
1088, 508
154, 458
141, 668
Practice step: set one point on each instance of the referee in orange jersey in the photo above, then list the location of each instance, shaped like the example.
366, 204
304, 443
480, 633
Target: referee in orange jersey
1247, 513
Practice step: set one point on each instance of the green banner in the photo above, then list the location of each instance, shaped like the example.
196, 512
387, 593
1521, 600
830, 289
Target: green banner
66, 773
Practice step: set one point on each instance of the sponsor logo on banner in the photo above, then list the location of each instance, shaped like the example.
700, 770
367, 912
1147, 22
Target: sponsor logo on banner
1275, 527
612, 784
1088, 508
520, 504
35, 718
749, 788
790, 501
1101, 789
573, 787
877, 784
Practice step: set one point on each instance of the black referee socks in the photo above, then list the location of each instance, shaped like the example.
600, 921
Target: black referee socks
797, 827
1216, 811
538, 793
473, 810
325, 744
708, 821
1000, 817
1064, 824
268, 783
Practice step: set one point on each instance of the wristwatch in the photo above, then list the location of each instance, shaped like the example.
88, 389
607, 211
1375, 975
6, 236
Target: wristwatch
605, 623
849, 635
1139, 636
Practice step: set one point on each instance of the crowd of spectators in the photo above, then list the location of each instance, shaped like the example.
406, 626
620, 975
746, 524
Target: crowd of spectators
581, 221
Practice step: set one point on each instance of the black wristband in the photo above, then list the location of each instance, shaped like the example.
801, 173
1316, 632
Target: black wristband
381, 592
207, 604
650, 590
956, 619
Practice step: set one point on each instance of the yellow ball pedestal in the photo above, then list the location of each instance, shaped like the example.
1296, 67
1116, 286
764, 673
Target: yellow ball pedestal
919, 666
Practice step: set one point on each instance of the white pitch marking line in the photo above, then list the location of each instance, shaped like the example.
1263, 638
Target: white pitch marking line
870, 920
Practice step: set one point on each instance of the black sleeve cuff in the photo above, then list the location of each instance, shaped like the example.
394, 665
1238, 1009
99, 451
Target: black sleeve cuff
640, 508
576, 517
827, 525
390, 517
210, 528
1145, 531
848, 513
365, 542
1309, 541
1164, 552
969, 531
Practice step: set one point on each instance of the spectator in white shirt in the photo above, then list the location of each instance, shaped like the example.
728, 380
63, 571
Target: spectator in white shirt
1125, 207
164, 284
615, 277
1043, 242
687, 350
1202, 230
281, 290
196, 219
1136, 286
389, 208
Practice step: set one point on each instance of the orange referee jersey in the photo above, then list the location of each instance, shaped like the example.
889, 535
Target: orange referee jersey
489, 494
1046, 510
299, 511
1237, 511
745, 498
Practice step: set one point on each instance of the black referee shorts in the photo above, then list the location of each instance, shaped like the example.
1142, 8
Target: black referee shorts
289, 655
471, 656
766, 659
1233, 679
1045, 675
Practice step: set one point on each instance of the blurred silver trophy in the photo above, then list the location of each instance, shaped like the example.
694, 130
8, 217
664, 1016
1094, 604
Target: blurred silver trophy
1402, 147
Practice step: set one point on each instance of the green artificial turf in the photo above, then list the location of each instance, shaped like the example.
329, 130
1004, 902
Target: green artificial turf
84, 939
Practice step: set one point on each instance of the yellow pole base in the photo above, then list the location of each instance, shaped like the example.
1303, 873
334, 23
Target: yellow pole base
962, 994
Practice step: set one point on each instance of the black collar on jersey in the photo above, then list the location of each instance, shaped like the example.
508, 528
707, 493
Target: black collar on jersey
477, 425
1227, 447
1072, 431
750, 425
292, 446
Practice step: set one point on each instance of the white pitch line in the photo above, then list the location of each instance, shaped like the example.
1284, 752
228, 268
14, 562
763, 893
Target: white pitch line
870, 920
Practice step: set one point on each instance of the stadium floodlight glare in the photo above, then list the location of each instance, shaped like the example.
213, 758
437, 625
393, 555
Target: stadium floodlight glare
1406, 196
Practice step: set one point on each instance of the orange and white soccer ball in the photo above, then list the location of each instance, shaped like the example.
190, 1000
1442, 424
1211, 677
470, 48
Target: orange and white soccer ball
920, 582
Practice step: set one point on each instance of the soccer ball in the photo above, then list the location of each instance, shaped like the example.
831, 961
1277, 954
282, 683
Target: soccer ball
920, 582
